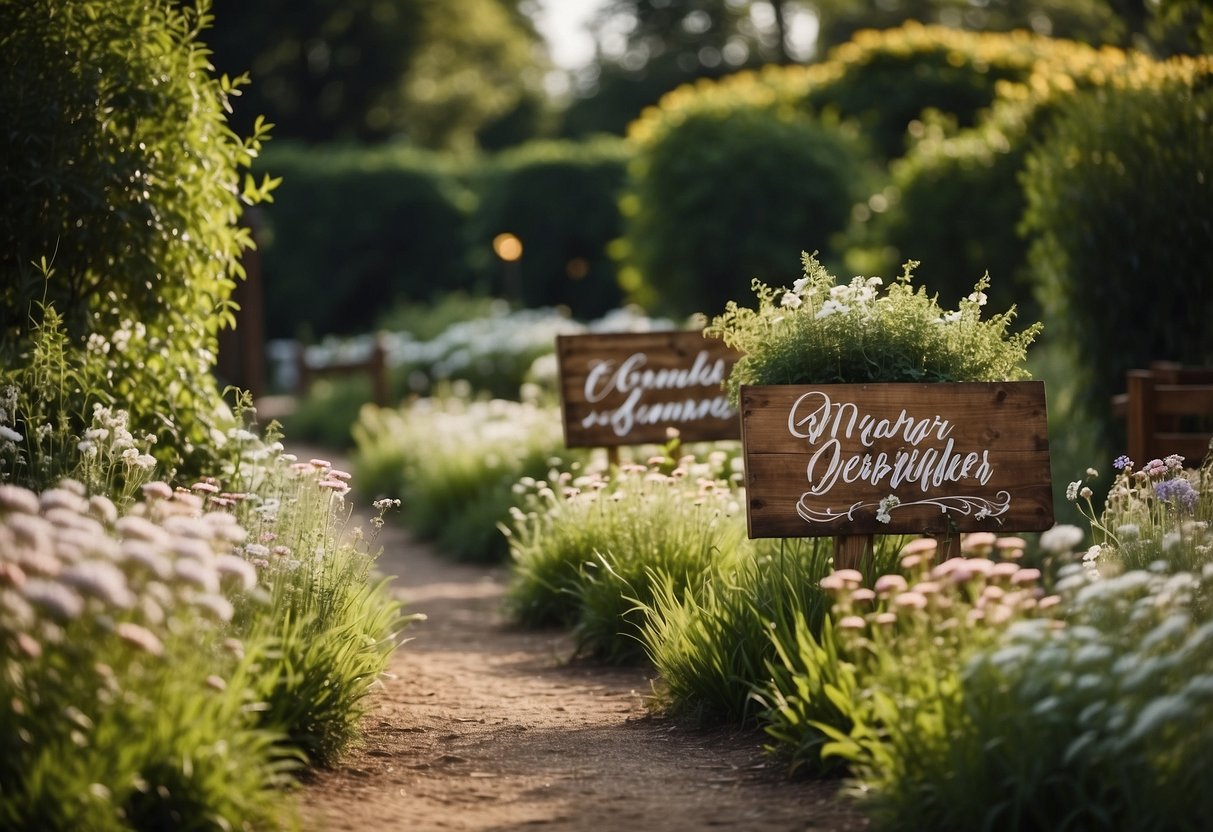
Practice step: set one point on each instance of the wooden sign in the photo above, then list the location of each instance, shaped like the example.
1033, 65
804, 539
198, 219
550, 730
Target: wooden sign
861, 459
627, 388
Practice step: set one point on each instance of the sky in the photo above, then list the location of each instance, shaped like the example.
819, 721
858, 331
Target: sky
562, 23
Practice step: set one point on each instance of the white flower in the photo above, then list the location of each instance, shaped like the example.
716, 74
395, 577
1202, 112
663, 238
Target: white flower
1061, 538
886, 505
790, 300
831, 307
978, 298
10, 434
1072, 490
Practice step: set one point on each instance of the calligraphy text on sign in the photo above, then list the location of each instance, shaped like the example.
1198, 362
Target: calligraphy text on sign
628, 388
896, 458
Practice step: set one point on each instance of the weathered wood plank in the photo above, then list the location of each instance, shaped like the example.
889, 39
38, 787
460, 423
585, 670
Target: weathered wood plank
821, 459
627, 388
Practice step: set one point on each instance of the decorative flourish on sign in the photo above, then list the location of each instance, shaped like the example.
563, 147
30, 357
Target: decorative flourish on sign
979, 507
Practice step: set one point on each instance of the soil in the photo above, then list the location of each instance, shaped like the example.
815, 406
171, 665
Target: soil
483, 726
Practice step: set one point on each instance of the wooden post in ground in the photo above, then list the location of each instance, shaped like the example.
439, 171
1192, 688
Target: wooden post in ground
850, 550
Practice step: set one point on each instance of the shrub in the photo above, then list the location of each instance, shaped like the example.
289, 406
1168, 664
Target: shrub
454, 463
822, 332
714, 642
592, 549
121, 197
715, 196
887, 79
559, 199
1120, 218
353, 231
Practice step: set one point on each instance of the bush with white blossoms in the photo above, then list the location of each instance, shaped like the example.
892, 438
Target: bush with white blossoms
821, 331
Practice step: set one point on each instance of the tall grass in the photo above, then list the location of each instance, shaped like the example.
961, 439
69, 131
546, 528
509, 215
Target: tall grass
587, 549
454, 463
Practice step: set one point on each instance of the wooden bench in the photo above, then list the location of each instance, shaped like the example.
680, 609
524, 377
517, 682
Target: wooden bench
374, 365
1168, 409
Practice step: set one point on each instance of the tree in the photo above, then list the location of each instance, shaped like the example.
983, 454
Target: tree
431, 71
647, 47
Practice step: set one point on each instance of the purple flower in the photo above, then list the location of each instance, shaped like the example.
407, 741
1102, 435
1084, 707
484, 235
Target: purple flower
1178, 491
1122, 462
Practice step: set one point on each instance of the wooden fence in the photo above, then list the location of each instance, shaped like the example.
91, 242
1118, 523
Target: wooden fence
1168, 409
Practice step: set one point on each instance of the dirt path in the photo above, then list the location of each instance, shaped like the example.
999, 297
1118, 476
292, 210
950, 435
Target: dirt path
485, 727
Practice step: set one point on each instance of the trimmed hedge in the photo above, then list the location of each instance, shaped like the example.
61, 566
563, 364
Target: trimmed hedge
1120, 213
699, 234
723, 197
354, 230
559, 199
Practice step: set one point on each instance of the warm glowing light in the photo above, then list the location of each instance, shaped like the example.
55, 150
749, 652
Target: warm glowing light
577, 268
507, 247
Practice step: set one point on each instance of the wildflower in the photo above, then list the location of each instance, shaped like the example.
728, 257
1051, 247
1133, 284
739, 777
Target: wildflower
978, 298
1177, 491
1155, 468
1174, 463
790, 300
888, 584
101, 580
158, 490
912, 600
10, 435
60, 601
1085, 493
1122, 463
832, 307
215, 605
16, 498
1061, 538
140, 637
852, 622
239, 568
197, 573
1072, 490
886, 505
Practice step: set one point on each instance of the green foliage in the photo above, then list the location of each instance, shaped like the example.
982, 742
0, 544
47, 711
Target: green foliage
371, 70
454, 462
1120, 211
715, 197
122, 193
343, 240
596, 554
880, 688
1102, 724
560, 200
886, 80
714, 643
820, 332
123, 707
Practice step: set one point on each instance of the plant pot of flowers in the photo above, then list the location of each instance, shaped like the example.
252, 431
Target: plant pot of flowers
867, 410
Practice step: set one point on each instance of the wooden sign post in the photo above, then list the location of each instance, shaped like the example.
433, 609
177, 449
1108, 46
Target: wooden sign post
627, 388
855, 460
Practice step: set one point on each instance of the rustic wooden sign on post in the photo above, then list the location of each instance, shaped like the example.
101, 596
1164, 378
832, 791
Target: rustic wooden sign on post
627, 388
854, 460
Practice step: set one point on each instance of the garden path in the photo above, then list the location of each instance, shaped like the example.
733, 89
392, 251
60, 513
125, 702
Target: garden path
481, 726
